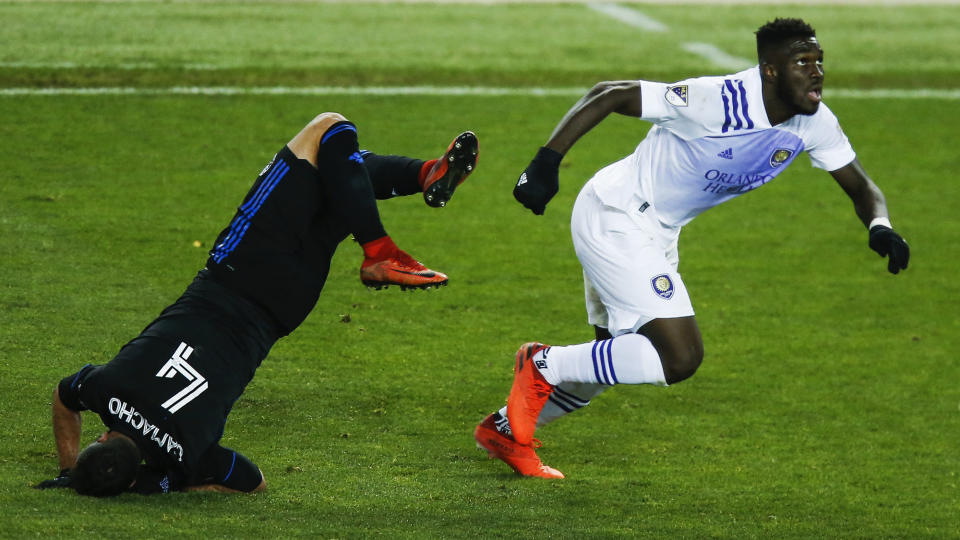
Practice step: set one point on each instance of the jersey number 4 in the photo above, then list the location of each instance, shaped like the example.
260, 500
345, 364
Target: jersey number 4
178, 364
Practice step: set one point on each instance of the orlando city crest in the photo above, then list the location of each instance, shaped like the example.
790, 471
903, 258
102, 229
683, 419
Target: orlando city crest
663, 286
780, 155
677, 95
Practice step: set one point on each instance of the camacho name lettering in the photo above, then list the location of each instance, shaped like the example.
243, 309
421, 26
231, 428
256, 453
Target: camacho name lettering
126, 413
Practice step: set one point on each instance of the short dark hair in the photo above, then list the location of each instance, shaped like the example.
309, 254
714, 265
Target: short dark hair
773, 34
106, 469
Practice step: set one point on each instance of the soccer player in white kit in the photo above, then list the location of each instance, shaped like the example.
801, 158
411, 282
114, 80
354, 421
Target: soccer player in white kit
713, 138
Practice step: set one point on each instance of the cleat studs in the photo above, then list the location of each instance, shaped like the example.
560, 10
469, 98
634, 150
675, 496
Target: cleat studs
458, 145
451, 158
443, 203
429, 197
469, 167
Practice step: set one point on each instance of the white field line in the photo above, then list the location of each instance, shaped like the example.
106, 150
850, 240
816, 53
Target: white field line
629, 16
868, 3
717, 57
951, 94
636, 19
122, 66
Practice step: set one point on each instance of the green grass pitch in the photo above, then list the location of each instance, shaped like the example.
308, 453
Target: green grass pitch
828, 404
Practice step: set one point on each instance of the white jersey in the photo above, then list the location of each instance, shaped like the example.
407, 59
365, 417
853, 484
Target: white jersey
711, 142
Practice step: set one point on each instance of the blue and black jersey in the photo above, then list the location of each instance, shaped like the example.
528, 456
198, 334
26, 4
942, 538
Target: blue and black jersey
171, 388
277, 249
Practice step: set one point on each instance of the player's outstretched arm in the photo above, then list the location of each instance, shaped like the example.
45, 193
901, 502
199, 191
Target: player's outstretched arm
606, 97
66, 430
540, 181
871, 208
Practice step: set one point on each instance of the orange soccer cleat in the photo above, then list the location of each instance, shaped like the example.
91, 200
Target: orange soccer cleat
527, 395
521, 458
448, 172
385, 264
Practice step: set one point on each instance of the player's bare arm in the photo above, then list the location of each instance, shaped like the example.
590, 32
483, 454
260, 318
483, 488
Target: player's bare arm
540, 181
622, 97
868, 200
66, 430
871, 208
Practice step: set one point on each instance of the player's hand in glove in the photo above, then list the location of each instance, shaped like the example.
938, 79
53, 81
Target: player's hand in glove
540, 181
888, 243
62, 481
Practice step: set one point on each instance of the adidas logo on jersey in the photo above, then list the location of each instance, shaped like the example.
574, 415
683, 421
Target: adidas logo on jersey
522, 180
726, 154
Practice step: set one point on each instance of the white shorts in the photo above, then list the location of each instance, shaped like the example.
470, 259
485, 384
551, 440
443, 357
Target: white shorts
629, 265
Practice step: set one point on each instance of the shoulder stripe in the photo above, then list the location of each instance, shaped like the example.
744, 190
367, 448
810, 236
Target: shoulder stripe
743, 101
736, 104
77, 376
726, 111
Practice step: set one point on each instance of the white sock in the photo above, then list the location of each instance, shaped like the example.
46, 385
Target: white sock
566, 398
626, 359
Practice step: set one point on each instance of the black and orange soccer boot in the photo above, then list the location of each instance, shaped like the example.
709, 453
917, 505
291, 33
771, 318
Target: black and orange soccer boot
385, 264
440, 177
501, 445
527, 395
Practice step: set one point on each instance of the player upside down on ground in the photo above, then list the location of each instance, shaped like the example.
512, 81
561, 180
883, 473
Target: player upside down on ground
713, 138
166, 395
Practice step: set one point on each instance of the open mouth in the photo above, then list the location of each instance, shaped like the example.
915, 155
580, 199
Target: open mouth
815, 95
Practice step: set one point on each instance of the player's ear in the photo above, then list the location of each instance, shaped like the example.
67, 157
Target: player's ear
768, 71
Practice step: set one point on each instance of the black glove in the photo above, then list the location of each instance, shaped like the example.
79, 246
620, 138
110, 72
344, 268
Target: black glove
886, 242
62, 481
540, 181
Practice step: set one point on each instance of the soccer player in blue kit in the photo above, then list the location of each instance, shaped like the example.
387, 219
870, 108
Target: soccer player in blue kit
713, 138
166, 395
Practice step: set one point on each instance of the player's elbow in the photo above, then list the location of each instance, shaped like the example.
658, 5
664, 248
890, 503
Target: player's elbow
622, 97
602, 88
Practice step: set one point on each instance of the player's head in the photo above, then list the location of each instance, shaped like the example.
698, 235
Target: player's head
107, 467
792, 61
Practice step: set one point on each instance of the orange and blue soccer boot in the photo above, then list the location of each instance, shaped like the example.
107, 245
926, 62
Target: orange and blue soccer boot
501, 445
385, 264
527, 395
441, 177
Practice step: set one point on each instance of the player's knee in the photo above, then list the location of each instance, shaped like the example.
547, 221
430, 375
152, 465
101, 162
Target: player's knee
681, 361
323, 122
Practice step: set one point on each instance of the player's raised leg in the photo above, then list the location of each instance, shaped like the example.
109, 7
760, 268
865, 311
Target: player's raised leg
329, 143
437, 179
440, 177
